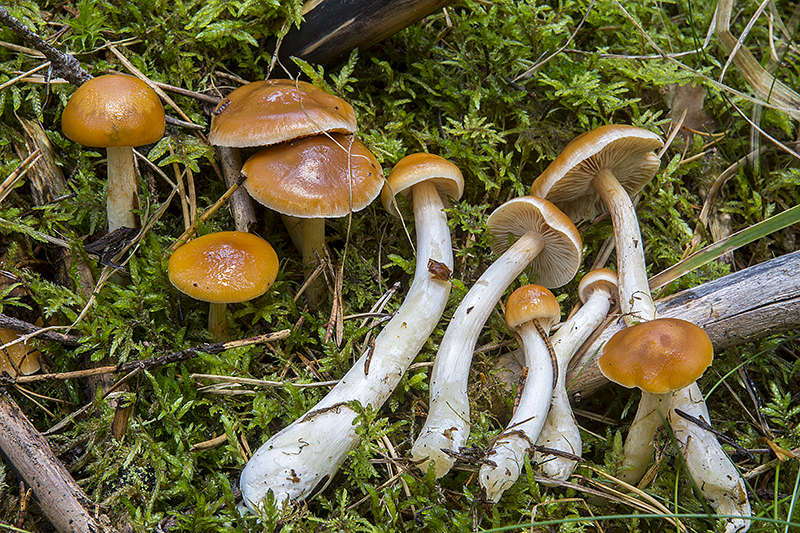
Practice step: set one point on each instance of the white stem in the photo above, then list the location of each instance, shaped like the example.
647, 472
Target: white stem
639, 446
121, 198
447, 425
708, 464
304, 456
560, 431
635, 300
512, 445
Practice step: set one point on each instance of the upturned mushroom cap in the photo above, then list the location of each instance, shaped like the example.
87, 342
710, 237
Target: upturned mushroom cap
658, 356
273, 111
599, 278
224, 267
416, 168
558, 262
532, 302
114, 110
309, 177
627, 151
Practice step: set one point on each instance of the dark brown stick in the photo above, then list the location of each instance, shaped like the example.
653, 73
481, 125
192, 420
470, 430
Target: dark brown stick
64, 65
331, 29
146, 364
63, 502
26, 327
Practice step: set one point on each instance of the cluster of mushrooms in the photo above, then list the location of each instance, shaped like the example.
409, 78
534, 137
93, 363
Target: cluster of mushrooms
309, 165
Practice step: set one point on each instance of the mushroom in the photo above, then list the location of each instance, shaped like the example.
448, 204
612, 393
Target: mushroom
222, 268
607, 166
547, 241
303, 457
268, 112
115, 112
664, 358
597, 290
313, 178
19, 358
531, 311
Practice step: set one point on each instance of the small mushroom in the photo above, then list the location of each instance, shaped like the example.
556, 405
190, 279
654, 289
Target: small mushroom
597, 290
222, 268
531, 311
19, 358
116, 112
547, 241
664, 358
605, 167
303, 457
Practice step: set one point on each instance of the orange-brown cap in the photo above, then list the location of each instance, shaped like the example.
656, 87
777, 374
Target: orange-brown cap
273, 111
113, 110
532, 302
24, 356
627, 151
658, 356
558, 262
416, 168
603, 279
309, 177
224, 267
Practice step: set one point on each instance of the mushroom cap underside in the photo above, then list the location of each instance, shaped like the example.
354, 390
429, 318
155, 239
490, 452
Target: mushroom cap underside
417, 168
598, 279
558, 262
626, 151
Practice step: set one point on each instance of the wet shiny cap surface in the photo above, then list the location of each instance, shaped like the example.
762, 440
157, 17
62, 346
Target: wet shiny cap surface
224, 267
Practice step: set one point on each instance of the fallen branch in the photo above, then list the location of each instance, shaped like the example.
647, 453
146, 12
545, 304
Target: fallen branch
64, 65
741, 307
62, 501
146, 364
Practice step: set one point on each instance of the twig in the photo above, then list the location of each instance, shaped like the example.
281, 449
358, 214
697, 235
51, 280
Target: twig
146, 364
64, 65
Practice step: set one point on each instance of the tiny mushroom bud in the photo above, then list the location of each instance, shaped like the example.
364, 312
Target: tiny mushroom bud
222, 268
531, 311
597, 290
664, 358
547, 241
116, 112
304, 456
607, 166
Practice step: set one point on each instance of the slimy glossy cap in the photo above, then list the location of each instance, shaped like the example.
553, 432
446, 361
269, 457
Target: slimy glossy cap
532, 302
224, 267
627, 151
416, 168
114, 110
314, 177
273, 111
658, 356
